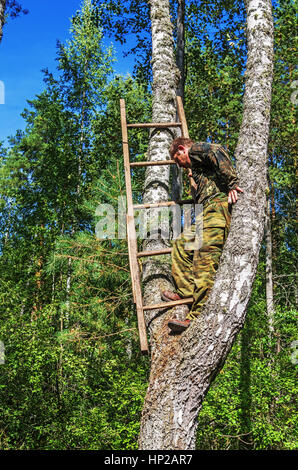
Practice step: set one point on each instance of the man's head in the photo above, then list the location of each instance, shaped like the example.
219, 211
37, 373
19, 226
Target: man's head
179, 151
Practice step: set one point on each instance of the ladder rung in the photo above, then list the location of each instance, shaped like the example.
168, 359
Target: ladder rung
155, 124
162, 204
153, 163
169, 304
165, 251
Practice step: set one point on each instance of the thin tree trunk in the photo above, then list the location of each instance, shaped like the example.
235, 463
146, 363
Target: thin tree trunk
183, 366
177, 173
2, 17
68, 287
8, 221
273, 215
269, 272
38, 276
245, 387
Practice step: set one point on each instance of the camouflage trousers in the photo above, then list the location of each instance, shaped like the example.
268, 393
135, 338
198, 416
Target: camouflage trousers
194, 269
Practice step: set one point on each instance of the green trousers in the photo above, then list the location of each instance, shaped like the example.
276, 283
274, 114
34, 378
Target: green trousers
195, 260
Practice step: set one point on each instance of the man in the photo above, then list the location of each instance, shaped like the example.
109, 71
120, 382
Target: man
217, 189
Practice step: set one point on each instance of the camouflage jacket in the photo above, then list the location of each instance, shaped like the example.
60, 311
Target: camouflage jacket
212, 171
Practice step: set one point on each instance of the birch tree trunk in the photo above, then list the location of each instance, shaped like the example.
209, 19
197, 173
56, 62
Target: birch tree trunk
183, 366
181, 46
2, 13
156, 275
269, 271
177, 173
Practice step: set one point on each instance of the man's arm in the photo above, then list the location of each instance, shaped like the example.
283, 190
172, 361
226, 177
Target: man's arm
216, 156
212, 155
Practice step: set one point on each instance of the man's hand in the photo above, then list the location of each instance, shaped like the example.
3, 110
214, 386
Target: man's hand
233, 195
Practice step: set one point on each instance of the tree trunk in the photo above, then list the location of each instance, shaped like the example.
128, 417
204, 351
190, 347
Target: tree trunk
245, 388
177, 173
183, 366
181, 47
2, 13
269, 271
273, 216
156, 188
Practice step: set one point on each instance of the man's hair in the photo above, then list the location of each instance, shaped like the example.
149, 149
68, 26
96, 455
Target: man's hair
179, 141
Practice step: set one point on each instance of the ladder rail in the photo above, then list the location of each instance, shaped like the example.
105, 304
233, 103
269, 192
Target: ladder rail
131, 236
185, 133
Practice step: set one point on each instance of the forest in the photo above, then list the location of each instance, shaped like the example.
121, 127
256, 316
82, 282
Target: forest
72, 376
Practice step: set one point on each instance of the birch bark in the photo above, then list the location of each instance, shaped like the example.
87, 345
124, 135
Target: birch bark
177, 173
156, 274
183, 366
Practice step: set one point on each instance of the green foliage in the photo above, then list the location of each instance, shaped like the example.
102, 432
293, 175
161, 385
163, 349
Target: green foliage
251, 404
215, 49
62, 390
73, 375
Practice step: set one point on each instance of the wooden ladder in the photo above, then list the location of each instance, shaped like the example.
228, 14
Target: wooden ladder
131, 230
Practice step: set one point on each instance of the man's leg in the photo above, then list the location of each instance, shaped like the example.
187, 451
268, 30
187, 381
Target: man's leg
206, 259
182, 263
194, 271
182, 271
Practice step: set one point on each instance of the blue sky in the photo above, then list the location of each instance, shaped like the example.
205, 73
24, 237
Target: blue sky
28, 46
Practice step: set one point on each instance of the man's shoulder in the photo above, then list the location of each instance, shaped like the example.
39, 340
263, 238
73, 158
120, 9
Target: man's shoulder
205, 147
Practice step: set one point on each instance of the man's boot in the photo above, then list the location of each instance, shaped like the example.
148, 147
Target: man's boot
179, 323
178, 326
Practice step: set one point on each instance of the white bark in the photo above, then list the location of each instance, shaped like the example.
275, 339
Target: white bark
177, 173
181, 46
156, 275
183, 366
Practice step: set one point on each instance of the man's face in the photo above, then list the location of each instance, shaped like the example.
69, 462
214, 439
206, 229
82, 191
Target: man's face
181, 157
